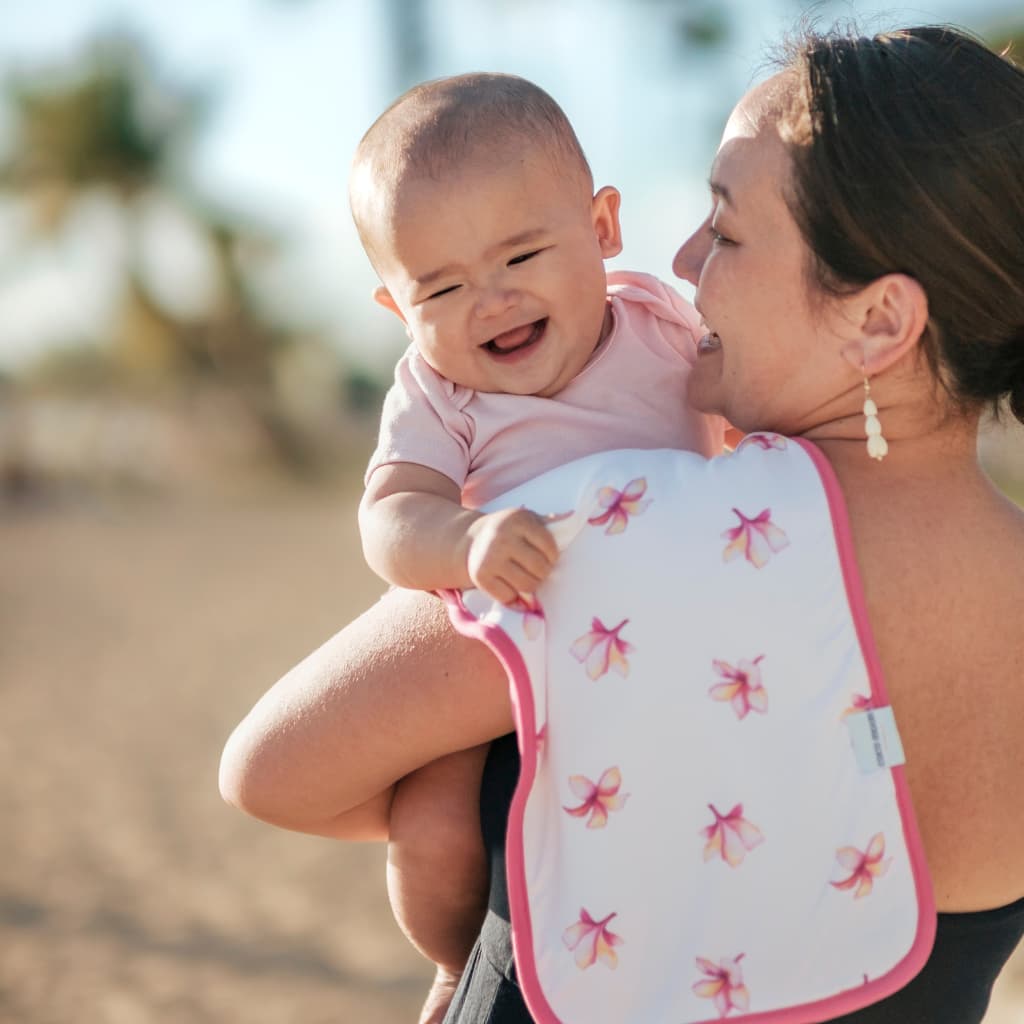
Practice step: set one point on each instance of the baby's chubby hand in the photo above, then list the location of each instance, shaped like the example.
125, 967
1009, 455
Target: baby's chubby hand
510, 553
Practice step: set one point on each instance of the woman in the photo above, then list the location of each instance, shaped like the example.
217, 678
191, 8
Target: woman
865, 234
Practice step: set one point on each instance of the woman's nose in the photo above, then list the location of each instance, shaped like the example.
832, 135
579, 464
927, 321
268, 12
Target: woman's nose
689, 260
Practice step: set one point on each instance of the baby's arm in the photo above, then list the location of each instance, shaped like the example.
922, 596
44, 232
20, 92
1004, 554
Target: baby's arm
417, 535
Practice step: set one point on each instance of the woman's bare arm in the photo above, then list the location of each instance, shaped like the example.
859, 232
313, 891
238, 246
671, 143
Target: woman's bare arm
394, 690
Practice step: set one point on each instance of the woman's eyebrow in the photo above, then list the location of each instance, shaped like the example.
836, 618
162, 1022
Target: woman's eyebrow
718, 189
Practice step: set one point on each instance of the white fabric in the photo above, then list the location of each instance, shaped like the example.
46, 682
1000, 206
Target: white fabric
740, 564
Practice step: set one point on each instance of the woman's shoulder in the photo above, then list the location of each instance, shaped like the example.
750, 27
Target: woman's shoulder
943, 579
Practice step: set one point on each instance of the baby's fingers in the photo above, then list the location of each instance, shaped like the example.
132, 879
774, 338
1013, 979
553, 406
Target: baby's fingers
500, 589
507, 583
534, 561
543, 540
520, 579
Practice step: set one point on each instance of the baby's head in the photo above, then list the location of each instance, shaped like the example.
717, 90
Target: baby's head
475, 205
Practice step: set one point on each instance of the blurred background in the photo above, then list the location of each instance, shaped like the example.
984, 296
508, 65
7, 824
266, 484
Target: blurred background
190, 373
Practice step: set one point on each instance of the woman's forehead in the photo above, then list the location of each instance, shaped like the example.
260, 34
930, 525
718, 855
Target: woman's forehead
750, 166
751, 142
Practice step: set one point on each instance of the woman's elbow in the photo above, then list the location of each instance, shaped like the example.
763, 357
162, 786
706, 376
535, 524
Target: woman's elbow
250, 780
239, 775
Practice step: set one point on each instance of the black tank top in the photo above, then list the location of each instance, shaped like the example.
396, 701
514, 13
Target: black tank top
953, 987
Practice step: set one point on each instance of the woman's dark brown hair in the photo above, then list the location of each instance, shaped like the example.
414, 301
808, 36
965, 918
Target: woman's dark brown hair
909, 158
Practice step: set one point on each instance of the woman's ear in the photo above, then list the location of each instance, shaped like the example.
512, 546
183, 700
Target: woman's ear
383, 298
604, 210
891, 314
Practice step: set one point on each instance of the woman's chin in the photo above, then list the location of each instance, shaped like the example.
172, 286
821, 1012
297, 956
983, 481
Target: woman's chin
704, 391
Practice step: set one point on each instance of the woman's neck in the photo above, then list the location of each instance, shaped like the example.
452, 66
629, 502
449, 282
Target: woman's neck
930, 442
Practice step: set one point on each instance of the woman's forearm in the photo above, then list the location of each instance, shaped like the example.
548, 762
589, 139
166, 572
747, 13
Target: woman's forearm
391, 692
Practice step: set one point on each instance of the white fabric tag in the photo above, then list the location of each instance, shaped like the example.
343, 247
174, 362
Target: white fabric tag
875, 739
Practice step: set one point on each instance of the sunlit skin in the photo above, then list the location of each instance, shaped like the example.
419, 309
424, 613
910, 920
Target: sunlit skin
497, 271
766, 367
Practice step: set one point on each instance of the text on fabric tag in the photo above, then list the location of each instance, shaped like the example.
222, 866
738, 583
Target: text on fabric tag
875, 739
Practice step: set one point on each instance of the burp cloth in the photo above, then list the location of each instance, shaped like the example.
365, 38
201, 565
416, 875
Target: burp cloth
711, 819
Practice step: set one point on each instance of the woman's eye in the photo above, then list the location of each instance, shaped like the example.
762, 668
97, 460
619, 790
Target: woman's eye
717, 238
443, 291
523, 258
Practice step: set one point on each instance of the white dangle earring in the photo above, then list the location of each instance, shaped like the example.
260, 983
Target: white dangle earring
878, 447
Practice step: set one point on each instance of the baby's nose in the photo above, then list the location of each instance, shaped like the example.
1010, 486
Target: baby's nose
495, 300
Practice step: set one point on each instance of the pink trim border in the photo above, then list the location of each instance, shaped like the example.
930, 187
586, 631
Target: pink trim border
847, 1001
525, 715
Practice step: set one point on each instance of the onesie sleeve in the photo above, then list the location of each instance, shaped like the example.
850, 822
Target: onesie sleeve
423, 422
674, 324
678, 321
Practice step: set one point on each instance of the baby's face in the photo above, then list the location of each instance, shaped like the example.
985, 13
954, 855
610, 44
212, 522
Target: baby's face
497, 270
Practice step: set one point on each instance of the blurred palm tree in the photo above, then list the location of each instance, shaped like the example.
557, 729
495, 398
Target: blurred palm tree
110, 128
109, 122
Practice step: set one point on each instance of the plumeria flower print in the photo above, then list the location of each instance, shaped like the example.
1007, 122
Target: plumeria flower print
620, 505
731, 837
598, 798
767, 442
592, 940
864, 867
723, 983
755, 539
858, 703
532, 612
741, 686
601, 649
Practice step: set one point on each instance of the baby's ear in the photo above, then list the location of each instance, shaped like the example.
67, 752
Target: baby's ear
383, 298
605, 215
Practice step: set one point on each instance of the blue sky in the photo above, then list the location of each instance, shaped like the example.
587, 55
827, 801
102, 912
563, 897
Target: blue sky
298, 82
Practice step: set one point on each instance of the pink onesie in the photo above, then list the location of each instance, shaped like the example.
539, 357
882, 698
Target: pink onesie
632, 394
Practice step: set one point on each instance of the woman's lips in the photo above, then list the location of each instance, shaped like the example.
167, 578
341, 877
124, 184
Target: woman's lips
518, 340
710, 342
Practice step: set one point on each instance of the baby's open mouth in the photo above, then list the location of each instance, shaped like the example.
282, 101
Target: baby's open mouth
517, 339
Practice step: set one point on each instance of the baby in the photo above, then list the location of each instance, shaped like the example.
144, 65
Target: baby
477, 209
